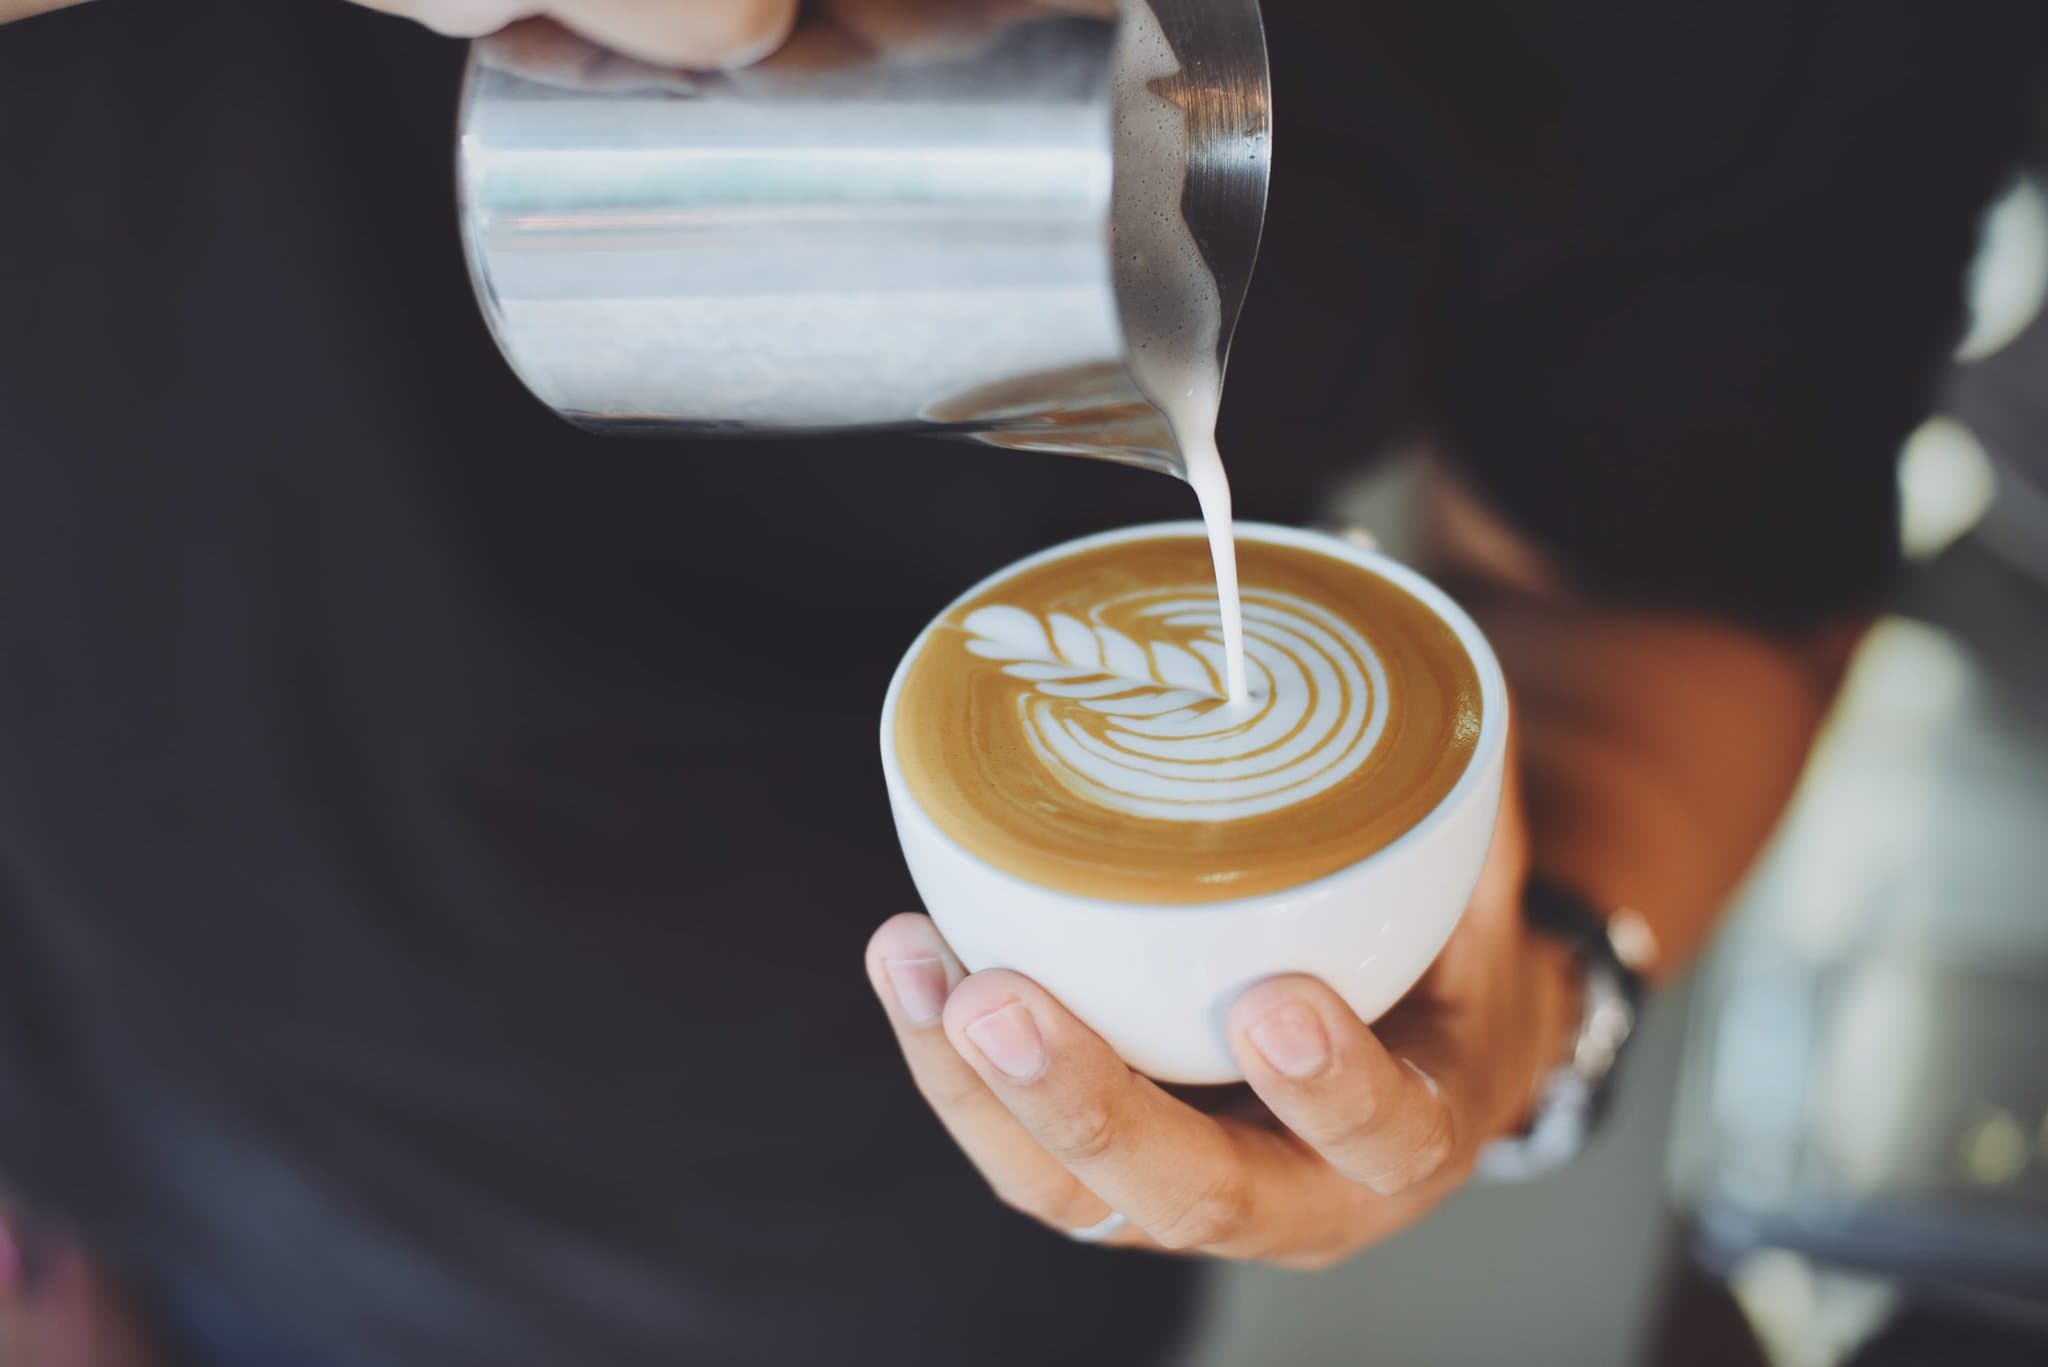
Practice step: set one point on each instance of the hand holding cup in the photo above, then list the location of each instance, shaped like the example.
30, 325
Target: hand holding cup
1350, 1131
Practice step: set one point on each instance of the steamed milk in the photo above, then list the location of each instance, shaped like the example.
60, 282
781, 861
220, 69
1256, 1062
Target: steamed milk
1069, 724
1172, 311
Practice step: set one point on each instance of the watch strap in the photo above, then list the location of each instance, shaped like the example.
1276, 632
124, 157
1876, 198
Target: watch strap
1574, 1098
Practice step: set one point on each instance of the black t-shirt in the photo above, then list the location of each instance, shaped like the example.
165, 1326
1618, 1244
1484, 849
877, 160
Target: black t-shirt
433, 861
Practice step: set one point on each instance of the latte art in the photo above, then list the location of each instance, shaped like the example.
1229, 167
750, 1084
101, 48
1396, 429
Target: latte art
1138, 722
1072, 723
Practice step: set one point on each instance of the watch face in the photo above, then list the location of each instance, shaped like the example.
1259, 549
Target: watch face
1609, 1021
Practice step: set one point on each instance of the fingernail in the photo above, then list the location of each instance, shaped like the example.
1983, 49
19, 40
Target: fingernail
920, 986
1292, 1040
1427, 1080
1009, 1038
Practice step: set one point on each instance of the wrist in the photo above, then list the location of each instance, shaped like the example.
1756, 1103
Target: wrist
1558, 1000
1572, 1093
23, 9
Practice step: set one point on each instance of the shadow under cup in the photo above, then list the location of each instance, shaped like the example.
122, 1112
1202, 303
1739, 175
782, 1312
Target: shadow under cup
1156, 979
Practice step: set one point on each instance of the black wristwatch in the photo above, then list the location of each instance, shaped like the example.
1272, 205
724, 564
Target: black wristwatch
1612, 951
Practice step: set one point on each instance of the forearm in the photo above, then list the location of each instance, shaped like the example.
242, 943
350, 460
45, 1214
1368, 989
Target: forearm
11, 10
1658, 749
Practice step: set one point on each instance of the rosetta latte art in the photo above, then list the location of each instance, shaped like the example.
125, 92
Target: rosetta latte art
1142, 726
1070, 722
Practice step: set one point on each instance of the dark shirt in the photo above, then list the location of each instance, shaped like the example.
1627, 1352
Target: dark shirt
436, 845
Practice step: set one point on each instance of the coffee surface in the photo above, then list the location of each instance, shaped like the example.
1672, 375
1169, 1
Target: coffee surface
1071, 726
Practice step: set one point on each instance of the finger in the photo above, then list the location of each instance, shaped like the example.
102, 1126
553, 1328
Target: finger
815, 46
541, 50
1383, 1121
703, 34
459, 18
913, 971
926, 28
1188, 1180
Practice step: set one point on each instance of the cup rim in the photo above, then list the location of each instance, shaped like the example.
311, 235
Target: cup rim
1486, 753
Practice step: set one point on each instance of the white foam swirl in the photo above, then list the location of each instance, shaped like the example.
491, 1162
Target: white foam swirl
1142, 727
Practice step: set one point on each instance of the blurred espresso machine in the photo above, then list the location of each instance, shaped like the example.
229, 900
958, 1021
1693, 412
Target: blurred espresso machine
1863, 1119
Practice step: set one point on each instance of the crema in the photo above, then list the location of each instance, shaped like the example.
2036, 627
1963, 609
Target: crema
1073, 725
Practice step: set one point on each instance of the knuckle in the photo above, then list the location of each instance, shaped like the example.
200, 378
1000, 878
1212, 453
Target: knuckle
1049, 1200
1356, 1127
1015, 1196
1430, 1156
744, 29
1213, 1215
1433, 1154
947, 1090
1083, 1133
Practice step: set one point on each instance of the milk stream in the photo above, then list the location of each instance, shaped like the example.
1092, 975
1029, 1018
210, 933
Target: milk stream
1172, 310
1212, 492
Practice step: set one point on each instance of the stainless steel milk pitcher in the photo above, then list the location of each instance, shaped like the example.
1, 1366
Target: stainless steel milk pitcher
910, 218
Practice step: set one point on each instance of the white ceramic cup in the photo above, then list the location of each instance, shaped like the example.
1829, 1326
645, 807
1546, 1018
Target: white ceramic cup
1155, 980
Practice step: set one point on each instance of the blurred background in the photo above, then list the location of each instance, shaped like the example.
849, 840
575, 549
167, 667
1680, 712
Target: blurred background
1843, 1118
